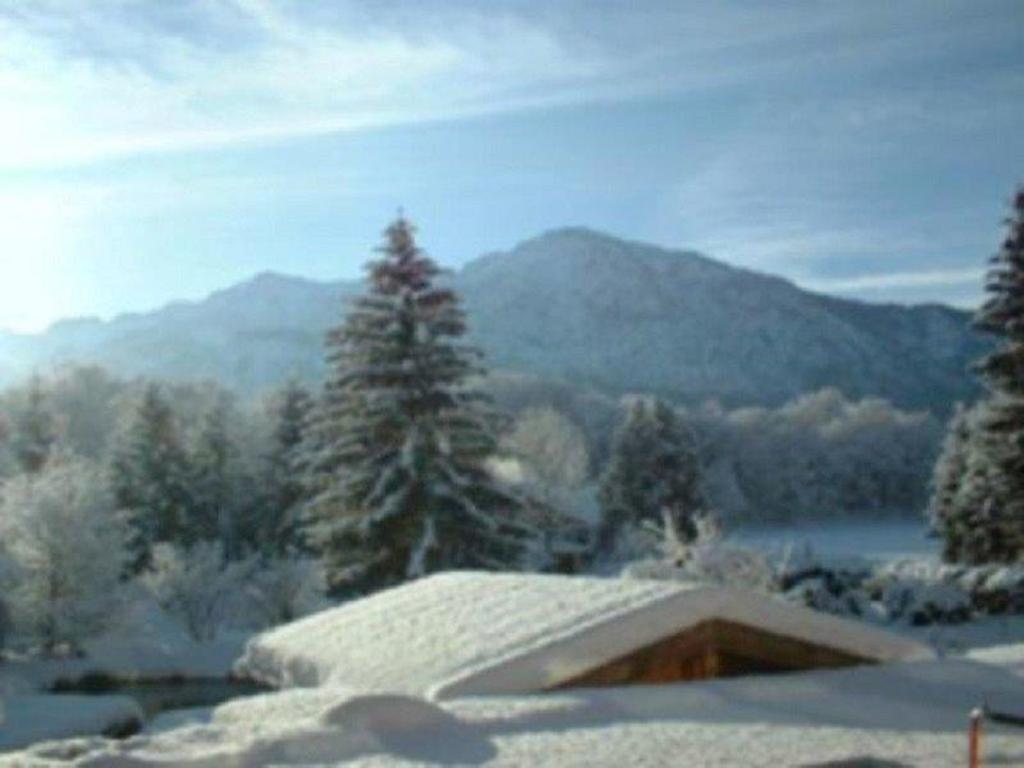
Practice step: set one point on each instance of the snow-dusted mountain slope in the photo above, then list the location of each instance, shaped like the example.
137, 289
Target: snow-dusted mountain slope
574, 304
624, 315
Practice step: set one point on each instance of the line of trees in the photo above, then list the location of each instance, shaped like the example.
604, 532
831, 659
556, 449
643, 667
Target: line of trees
110, 487
819, 457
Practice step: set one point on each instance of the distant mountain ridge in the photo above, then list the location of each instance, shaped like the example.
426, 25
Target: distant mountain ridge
572, 304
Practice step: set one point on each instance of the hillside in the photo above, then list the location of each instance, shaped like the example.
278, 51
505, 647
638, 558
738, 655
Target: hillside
572, 304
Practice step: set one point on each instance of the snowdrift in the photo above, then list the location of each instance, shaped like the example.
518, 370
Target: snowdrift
907, 713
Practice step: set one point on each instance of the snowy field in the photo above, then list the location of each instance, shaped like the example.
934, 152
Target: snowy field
873, 539
147, 646
909, 714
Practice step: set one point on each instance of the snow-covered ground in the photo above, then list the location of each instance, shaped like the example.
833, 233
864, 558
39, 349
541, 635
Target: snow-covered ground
145, 642
909, 713
28, 718
972, 638
145, 645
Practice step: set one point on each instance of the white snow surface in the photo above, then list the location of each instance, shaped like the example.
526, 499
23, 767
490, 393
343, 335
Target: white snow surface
145, 644
467, 633
27, 719
910, 714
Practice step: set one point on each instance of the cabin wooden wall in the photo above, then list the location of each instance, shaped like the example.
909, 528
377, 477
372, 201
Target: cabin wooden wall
710, 650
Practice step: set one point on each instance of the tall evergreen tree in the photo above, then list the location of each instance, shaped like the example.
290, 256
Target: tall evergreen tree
212, 481
279, 527
1002, 313
653, 474
35, 431
948, 482
400, 487
1002, 429
988, 526
149, 475
986, 523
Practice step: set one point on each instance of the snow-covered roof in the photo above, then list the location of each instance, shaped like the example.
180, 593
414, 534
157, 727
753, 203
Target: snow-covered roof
468, 633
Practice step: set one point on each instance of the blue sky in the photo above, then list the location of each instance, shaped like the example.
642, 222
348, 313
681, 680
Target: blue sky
151, 151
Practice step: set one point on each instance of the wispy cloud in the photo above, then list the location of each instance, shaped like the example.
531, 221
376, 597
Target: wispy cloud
97, 81
94, 79
969, 276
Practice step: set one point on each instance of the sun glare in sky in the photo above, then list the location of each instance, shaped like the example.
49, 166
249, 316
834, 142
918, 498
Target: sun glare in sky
35, 272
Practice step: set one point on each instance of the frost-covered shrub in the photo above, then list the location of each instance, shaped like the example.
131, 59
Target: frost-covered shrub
711, 558
833, 586
993, 589
839, 575
197, 586
927, 592
921, 603
553, 453
67, 543
1000, 591
831, 595
286, 588
917, 592
707, 559
636, 543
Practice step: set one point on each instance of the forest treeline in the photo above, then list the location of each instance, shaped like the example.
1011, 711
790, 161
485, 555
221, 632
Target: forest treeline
819, 456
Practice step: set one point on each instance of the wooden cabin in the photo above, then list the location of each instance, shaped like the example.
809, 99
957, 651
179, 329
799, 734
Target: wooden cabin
473, 634
710, 650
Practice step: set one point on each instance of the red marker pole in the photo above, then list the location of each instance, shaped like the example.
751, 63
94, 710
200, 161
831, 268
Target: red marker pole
974, 738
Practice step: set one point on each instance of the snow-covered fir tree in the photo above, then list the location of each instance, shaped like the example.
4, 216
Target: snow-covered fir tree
35, 431
213, 479
279, 526
653, 475
1002, 313
947, 484
399, 482
149, 475
987, 523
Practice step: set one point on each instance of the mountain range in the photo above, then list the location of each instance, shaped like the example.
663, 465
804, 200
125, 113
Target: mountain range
571, 304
